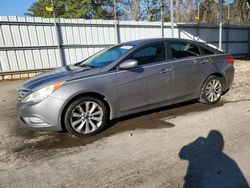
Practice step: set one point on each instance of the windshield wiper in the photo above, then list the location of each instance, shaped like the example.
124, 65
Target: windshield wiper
83, 65
87, 66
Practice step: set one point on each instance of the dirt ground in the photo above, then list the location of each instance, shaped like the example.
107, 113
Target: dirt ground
167, 147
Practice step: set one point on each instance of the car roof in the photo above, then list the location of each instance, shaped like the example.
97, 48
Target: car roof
146, 41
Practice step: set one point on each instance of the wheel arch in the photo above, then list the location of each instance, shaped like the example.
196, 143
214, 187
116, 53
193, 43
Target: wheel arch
201, 93
79, 95
218, 74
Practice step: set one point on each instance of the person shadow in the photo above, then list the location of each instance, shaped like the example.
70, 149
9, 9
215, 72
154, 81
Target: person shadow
208, 166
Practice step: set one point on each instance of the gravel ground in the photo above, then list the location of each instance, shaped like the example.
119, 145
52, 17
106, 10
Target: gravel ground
168, 147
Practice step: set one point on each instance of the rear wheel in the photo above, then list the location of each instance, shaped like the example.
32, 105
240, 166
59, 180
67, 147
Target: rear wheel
212, 90
85, 116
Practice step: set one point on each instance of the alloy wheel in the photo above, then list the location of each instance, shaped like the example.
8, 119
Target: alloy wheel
86, 117
213, 90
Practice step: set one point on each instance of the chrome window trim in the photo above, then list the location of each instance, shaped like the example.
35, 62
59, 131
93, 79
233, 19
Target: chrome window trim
148, 65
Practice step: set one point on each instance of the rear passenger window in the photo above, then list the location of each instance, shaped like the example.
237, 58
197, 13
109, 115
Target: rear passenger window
150, 54
183, 50
206, 51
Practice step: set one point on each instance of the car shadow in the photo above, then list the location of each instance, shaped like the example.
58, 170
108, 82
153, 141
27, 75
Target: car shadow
152, 119
209, 166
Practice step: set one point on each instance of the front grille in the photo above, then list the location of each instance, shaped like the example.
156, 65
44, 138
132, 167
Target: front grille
21, 94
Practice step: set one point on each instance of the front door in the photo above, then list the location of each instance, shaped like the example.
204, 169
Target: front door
149, 83
131, 88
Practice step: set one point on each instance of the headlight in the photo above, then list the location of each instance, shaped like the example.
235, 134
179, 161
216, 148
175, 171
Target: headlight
42, 93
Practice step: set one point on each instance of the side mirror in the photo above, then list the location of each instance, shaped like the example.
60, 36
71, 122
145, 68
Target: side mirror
128, 64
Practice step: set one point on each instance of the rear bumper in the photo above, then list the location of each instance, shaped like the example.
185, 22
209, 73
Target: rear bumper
229, 77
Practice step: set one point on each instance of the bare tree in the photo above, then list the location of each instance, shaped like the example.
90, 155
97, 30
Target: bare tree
244, 12
177, 13
135, 11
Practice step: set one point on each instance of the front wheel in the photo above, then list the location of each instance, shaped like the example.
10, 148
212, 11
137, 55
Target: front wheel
85, 116
212, 90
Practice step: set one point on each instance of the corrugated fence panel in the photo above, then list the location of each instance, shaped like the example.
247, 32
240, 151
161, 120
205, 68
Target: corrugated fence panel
49, 34
6, 29
131, 30
45, 58
188, 33
238, 48
24, 35
4, 61
35, 43
21, 59
239, 35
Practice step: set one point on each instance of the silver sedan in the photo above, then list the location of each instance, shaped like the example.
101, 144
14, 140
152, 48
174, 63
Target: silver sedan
124, 79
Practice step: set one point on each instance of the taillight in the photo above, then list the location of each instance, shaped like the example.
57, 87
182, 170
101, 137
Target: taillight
229, 60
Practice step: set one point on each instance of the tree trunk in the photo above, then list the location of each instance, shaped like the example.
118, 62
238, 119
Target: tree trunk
177, 10
189, 7
135, 9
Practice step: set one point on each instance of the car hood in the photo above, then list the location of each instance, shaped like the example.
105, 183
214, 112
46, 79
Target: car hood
58, 74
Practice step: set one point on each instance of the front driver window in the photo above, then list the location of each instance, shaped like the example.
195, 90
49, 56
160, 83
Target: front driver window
150, 54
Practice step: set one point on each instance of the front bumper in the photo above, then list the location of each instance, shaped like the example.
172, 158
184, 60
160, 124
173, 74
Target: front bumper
47, 112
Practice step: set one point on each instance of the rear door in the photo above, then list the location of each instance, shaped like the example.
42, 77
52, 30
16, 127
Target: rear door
188, 66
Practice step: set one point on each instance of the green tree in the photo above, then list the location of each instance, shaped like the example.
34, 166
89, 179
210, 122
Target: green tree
88, 9
37, 9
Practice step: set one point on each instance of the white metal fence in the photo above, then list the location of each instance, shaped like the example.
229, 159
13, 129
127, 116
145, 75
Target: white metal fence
28, 43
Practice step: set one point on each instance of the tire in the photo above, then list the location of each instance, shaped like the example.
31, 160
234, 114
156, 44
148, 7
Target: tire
211, 91
85, 116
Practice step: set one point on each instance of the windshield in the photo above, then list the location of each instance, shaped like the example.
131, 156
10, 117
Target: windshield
105, 57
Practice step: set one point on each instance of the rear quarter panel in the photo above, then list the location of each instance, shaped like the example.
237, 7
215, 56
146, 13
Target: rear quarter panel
218, 65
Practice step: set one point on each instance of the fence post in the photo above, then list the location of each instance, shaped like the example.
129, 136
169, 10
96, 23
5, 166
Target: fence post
59, 42
227, 31
198, 31
162, 21
227, 38
162, 29
249, 42
117, 32
172, 18
220, 24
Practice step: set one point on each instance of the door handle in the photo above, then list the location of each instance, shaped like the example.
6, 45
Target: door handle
205, 61
163, 71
